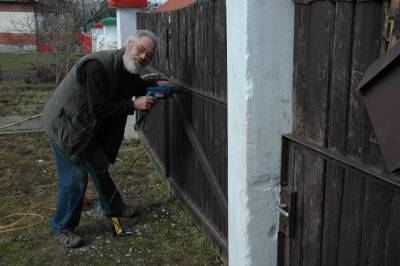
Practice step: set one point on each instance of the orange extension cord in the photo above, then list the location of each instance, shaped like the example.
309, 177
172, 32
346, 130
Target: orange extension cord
13, 226
5, 228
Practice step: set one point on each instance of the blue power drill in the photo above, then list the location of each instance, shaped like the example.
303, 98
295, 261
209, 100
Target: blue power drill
158, 93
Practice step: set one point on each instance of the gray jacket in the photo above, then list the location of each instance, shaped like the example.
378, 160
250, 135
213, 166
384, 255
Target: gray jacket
66, 117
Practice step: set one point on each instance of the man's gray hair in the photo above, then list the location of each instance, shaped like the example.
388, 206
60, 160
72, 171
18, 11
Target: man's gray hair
143, 33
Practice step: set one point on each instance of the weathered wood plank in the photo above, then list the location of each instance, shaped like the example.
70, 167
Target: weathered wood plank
301, 42
211, 133
198, 73
301, 58
317, 76
340, 79
164, 45
296, 256
315, 122
174, 45
332, 207
199, 180
336, 130
208, 47
190, 47
182, 55
167, 138
220, 74
313, 189
180, 156
221, 155
392, 257
156, 30
209, 173
375, 224
351, 219
362, 143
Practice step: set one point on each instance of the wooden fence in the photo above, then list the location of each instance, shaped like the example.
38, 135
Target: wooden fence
188, 133
347, 210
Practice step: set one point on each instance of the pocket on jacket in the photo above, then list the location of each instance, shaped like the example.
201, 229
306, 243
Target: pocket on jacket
79, 129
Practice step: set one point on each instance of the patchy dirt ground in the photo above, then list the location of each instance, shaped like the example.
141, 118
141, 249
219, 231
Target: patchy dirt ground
162, 235
18, 98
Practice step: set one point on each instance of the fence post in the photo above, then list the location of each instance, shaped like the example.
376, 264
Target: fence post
167, 139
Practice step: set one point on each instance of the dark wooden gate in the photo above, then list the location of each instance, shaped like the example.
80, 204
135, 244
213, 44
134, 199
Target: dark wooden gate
188, 133
343, 208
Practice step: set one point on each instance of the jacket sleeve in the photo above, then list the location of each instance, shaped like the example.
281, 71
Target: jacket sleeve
144, 84
94, 80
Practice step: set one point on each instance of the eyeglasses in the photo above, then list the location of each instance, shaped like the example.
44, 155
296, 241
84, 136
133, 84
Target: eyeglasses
141, 50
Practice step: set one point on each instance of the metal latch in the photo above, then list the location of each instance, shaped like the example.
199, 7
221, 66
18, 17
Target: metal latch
287, 210
283, 209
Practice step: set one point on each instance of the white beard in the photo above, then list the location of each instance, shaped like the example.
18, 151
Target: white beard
131, 66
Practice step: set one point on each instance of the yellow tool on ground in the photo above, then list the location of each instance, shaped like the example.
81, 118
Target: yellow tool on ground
117, 228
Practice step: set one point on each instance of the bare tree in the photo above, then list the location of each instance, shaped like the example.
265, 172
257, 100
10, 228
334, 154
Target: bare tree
59, 25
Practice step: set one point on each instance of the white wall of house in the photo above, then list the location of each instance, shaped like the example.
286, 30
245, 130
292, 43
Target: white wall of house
260, 67
17, 31
6, 48
17, 22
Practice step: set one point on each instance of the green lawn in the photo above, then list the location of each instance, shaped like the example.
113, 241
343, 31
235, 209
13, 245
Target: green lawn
16, 96
20, 63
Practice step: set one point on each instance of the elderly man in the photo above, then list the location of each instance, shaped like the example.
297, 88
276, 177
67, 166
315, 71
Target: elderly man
85, 121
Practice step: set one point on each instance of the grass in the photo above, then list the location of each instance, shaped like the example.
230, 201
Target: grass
18, 98
19, 63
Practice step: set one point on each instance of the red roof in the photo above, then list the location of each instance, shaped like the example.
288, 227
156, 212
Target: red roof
127, 3
173, 5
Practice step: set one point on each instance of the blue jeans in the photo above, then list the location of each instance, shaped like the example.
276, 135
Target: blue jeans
73, 180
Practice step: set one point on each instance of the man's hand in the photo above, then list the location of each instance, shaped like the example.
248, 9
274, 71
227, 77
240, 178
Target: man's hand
144, 103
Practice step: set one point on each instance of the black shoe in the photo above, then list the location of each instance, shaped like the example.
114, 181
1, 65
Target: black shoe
68, 239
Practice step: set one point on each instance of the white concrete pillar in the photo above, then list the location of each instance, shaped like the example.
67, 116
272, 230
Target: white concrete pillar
110, 37
97, 39
127, 26
260, 69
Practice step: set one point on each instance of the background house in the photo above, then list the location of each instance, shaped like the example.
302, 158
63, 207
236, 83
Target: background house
18, 25
173, 5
